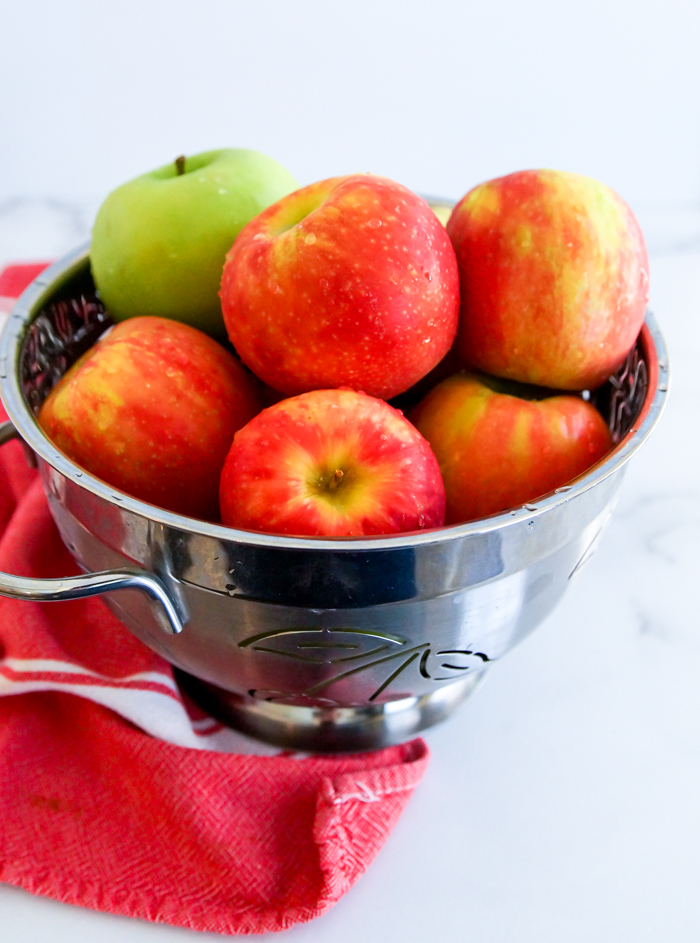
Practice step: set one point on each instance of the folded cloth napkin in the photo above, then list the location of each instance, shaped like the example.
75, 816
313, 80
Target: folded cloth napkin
117, 794
14, 279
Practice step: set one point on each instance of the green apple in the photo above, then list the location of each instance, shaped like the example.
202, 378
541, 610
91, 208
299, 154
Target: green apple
159, 241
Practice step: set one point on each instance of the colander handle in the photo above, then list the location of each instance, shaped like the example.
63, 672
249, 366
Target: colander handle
7, 432
78, 587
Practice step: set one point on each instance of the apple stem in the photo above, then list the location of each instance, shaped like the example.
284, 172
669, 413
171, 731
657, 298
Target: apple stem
180, 165
335, 480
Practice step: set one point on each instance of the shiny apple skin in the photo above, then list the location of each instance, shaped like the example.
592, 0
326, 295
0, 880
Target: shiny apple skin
152, 409
554, 278
348, 282
159, 241
497, 451
281, 475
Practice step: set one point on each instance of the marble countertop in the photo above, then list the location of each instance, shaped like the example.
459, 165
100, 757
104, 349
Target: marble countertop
561, 801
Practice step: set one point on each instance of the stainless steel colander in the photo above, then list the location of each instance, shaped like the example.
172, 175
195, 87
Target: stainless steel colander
319, 644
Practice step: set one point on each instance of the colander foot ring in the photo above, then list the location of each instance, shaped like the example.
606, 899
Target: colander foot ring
329, 729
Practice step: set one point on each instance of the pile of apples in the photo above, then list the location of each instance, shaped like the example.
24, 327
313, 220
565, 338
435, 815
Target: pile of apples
336, 298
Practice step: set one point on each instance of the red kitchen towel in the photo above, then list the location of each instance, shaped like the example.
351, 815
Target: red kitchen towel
116, 794
15, 278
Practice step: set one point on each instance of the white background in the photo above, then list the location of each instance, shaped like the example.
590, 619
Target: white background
438, 96
561, 803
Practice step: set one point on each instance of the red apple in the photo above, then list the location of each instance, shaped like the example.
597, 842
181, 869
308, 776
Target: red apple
332, 462
554, 278
497, 450
449, 364
152, 409
348, 282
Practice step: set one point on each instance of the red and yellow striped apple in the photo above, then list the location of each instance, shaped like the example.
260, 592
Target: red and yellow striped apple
497, 450
553, 276
331, 463
152, 409
350, 282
